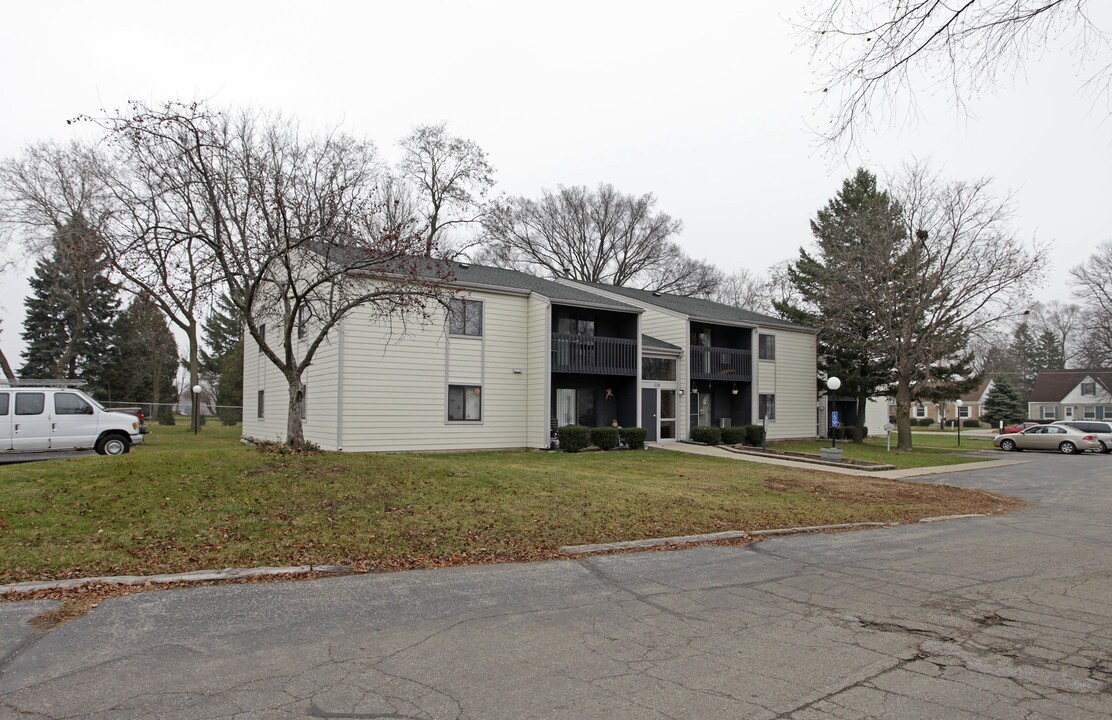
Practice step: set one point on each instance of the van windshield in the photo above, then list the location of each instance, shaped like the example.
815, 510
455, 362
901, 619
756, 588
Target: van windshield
94, 403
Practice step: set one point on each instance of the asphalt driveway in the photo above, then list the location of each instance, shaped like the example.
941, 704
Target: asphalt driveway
1000, 617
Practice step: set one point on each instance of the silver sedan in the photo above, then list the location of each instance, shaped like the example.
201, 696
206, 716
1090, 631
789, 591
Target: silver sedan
1065, 440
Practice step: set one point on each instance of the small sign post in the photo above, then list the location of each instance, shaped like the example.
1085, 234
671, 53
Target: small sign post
835, 423
888, 428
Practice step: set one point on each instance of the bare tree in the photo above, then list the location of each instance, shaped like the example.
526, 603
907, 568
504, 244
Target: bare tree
746, 289
451, 177
597, 235
958, 270
873, 54
1063, 320
1092, 281
292, 221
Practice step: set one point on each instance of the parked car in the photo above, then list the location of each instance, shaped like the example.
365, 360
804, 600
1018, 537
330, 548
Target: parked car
1102, 430
1065, 440
1018, 427
36, 419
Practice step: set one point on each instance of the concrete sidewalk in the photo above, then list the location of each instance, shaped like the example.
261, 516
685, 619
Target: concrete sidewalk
890, 474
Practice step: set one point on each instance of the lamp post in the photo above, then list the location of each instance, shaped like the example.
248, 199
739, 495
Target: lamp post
958, 403
196, 408
832, 384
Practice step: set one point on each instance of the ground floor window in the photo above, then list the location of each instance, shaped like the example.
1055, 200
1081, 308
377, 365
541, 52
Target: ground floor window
963, 411
304, 401
262, 394
1089, 412
1048, 413
766, 407
575, 406
465, 402
920, 411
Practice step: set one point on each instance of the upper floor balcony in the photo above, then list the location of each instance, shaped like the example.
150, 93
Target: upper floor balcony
715, 363
594, 355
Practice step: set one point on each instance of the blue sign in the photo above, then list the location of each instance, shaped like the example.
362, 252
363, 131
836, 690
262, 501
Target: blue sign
834, 420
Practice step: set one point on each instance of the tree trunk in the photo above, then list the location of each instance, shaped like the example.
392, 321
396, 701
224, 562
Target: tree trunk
859, 428
6, 366
903, 413
295, 435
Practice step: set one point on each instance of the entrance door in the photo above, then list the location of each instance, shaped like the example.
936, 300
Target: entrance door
667, 414
648, 413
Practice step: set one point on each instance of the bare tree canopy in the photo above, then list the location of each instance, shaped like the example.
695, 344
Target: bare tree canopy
746, 289
451, 178
599, 235
291, 223
872, 55
1092, 282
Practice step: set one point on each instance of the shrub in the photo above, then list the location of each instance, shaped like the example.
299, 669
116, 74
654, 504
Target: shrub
633, 437
733, 435
605, 438
573, 438
707, 434
165, 415
971, 422
753, 434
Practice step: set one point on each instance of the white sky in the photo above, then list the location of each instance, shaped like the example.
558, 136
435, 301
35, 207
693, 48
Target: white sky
706, 105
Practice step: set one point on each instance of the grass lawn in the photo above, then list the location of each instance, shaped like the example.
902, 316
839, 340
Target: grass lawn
183, 503
926, 450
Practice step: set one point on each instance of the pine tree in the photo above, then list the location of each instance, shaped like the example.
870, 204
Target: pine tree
1026, 360
1003, 403
222, 363
1048, 352
859, 216
68, 326
145, 358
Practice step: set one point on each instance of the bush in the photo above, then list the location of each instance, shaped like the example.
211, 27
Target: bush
573, 438
922, 422
633, 437
604, 438
707, 434
165, 415
971, 422
733, 435
753, 434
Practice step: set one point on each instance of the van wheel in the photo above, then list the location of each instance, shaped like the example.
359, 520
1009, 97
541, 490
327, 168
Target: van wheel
113, 445
1068, 448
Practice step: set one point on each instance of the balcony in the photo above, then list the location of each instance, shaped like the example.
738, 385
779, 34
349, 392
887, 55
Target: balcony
713, 363
594, 355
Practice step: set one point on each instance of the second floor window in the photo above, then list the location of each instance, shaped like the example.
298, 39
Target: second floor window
1089, 388
767, 345
465, 317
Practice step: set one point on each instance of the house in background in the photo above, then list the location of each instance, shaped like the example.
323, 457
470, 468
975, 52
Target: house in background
972, 405
1072, 395
518, 356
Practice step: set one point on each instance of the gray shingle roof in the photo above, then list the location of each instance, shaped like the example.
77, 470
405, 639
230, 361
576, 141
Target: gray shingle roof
650, 342
467, 273
699, 308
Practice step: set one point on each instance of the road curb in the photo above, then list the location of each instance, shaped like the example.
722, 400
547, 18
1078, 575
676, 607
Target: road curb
166, 578
710, 537
944, 518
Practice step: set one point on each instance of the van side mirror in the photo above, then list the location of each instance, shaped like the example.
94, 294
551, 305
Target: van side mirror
88, 409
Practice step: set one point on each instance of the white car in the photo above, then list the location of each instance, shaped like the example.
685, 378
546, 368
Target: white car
34, 419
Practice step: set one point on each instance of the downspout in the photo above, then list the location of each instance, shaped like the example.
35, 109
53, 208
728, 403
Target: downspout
340, 386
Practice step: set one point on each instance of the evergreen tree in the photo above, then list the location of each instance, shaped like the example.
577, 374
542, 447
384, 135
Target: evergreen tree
1025, 358
73, 303
860, 216
222, 362
1048, 351
145, 360
1003, 403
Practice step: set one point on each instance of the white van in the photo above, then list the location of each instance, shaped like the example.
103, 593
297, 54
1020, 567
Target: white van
34, 419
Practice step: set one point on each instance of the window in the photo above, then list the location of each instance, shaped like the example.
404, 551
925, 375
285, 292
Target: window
1089, 388
567, 325
30, 403
304, 401
465, 402
262, 334
5, 400
963, 411
575, 407
302, 320
658, 368
1089, 412
1048, 413
70, 404
465, 317
766, 407
767, 346
920, 411
262, 394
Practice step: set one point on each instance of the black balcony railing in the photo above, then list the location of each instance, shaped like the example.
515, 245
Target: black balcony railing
594, 355
712, 363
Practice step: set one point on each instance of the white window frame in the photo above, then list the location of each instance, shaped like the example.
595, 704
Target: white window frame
1048, 413
964, 412
769, 400
1089, 412
1067, 412
761, 337
920, 411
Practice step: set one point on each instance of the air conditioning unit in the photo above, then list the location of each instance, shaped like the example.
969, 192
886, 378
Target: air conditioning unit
724, 422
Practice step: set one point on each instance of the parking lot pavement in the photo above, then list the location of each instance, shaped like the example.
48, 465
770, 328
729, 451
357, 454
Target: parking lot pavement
13, 458
1002, 617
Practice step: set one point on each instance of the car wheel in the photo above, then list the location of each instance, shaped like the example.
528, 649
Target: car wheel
1007, 445
1068, 448
113, 445
1104, 447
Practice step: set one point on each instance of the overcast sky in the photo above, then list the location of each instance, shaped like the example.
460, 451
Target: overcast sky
706, 105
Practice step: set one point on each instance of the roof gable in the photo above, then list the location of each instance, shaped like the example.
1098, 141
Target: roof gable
1055, 385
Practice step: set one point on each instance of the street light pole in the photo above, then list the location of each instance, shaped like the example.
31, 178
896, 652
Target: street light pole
958, 403
832, 384
196, 408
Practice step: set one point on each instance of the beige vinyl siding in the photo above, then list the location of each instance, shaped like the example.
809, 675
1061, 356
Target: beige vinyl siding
259, 373
766, 375
672, 329
465, 360
536, 369
876, 415
793, 374
395, 384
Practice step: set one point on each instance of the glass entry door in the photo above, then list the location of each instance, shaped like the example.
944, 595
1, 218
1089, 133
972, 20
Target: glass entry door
667, 414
